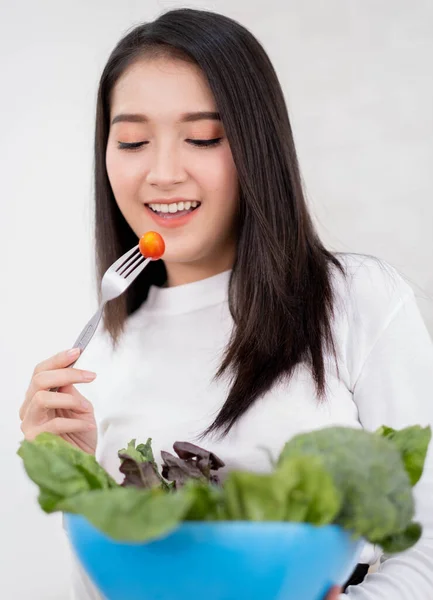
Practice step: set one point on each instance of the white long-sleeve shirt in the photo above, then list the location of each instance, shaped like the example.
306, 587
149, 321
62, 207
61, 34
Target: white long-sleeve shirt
159, 384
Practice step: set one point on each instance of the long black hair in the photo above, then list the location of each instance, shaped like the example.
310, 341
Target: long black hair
280, 288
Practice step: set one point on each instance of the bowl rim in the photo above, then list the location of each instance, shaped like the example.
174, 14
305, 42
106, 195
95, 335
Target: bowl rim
232, 524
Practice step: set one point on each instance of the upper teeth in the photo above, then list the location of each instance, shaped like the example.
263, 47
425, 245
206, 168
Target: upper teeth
174, 207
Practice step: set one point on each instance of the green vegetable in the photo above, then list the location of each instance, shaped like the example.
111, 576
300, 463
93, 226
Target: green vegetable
139, 466
412, 443
299, 490
61, 470
397, 542
359, 480
130, 514
312, 495
207, 501
368, 471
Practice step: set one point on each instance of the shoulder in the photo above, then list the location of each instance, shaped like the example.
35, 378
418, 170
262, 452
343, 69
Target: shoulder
370, 289
367, 298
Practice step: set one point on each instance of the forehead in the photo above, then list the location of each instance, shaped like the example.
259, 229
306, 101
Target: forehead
161, 88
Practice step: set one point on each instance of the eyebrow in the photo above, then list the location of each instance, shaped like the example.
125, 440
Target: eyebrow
184, 118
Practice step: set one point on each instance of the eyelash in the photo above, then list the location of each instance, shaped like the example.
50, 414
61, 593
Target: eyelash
198, 143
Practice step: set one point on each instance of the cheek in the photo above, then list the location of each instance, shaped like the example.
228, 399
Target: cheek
218, 175
124, 175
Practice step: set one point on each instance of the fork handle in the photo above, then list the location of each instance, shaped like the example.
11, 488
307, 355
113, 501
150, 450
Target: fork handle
85, 336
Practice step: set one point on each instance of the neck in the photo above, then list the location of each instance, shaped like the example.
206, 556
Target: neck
182, 273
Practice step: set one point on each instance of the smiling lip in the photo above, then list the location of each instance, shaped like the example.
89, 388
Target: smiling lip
171, 221
170, 200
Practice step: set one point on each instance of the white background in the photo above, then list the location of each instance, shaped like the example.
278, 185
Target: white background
358, 81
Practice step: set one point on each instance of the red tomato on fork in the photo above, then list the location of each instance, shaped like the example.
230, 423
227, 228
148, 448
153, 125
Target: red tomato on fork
152, 245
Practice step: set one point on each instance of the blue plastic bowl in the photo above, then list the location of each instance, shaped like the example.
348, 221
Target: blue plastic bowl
218, 561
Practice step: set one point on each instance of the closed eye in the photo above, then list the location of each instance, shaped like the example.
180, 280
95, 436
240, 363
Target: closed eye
130, 145
205, 143
198, 143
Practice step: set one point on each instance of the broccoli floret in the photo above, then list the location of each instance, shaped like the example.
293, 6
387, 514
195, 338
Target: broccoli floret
368, 470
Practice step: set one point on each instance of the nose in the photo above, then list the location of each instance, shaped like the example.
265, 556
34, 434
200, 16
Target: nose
165, 168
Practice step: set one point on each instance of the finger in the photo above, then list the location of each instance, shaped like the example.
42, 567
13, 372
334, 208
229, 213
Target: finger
38, 411
57, 378
58, 426
60, 377
58, 361
44, 401
333, 593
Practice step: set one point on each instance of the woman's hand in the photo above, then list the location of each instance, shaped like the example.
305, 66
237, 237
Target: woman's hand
66, 412
333, 593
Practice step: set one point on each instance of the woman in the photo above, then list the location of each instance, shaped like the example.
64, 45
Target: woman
249, 330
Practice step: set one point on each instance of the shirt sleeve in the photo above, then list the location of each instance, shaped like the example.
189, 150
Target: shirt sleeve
395, 388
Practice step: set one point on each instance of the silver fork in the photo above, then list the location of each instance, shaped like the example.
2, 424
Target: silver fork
115, 281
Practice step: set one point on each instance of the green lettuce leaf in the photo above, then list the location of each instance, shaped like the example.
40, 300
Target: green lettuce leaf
61, 470
207, 501
412, 443
311, 494
129, 513
298, 490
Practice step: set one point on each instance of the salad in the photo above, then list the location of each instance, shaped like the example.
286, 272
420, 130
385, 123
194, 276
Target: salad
360, 480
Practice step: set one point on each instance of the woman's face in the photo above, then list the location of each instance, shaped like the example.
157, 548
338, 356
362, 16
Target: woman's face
169, 163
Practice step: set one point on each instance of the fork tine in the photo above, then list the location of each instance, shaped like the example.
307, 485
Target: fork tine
137, 270
124, 258
129, 265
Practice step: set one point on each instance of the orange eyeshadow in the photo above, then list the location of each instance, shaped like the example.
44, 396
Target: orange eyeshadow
205, 132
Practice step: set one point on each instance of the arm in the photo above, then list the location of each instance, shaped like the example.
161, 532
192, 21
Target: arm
395, 387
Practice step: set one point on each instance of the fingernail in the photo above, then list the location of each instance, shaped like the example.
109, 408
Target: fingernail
86, 404
88, 375
72, 353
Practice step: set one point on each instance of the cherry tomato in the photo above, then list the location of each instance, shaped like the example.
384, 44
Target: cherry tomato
151, 245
